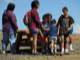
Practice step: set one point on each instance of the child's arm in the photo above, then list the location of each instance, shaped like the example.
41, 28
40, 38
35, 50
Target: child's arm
46, 28
58, 30
70, 27
41, 33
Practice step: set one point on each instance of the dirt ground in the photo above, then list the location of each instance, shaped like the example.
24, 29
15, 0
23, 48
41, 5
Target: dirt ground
40, 57
72, 56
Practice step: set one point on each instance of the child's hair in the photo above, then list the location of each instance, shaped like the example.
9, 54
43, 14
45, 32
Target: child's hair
46, 15
34, 4
43, 17
53, 21
11, 6
64, 9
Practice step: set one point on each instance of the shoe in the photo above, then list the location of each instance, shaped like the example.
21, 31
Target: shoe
62, 51
13, 49
52, 50
35, 53
3, 52
71, 48
67, 51
52, 53
55, 51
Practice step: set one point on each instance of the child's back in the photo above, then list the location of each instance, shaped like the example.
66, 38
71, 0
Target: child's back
53, 29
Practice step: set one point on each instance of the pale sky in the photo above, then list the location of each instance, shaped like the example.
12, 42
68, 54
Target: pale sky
52, 6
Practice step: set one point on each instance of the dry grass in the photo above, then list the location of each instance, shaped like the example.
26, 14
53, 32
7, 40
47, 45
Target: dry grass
29, 57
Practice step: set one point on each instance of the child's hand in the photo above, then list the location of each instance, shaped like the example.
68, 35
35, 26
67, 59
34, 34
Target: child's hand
17, 30
40, 32
57, 33
27, 30
69, 29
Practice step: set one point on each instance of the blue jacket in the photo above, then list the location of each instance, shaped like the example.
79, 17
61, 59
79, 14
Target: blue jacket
53, 30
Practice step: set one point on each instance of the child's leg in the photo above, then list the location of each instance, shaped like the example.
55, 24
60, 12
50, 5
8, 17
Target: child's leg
52, 46
59, 46
62, 44
70, 43
45, 44
12, 39
67, 45
34, 48
70, 40
5, 41
55, 44
46, 39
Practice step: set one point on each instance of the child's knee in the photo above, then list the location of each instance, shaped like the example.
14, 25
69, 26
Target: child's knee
67, 40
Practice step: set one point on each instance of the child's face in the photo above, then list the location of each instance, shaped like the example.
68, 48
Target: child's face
49, 19
65, 13
37, 7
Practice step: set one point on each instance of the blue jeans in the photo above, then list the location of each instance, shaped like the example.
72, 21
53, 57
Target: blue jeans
8, 37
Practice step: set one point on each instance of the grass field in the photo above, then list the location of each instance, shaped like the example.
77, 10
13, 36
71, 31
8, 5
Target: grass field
0, 35
0, 39
73, 55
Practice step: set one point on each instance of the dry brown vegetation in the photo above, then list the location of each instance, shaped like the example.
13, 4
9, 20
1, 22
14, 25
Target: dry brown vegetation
73, 55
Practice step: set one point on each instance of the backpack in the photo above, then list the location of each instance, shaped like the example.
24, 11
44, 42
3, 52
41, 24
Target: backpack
25, 20
28, 19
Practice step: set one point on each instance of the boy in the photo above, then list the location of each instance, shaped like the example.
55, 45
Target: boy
65, 24
53, 36
33, 21
9, 28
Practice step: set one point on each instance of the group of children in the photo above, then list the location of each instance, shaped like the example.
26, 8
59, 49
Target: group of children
58, 34
53, 31
50, 31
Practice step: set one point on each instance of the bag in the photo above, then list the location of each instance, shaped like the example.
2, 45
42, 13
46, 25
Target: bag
28, 19
25, 20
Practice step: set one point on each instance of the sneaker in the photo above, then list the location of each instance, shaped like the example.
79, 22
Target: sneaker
55, 51
71, 48
62, 51
52, 50
3, 52
66, 51
35, 53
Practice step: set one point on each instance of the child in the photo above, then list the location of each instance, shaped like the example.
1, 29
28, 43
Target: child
33, 21
65, 24
53, 36
9, 26
46, 20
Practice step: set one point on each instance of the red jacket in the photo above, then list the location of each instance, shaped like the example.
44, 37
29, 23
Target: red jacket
36, 21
